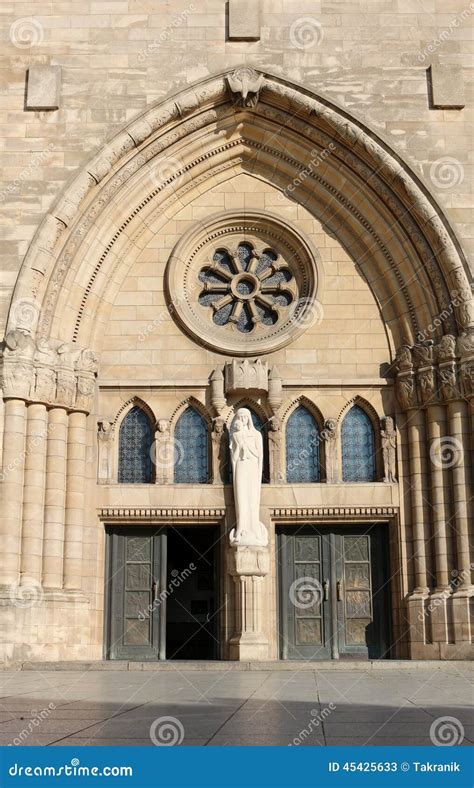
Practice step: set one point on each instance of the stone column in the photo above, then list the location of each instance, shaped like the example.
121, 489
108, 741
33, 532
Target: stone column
459, 434
436, 427
416, 443
55, 499
33, 495
248, 567
12, 488
275, 447
329, 435
75, 498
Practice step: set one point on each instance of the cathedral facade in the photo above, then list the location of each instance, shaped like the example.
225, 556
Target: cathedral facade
237, 207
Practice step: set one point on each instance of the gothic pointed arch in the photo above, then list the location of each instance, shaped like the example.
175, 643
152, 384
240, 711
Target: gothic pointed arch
366, 195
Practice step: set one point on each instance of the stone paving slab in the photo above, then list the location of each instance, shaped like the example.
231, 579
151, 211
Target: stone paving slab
217, 708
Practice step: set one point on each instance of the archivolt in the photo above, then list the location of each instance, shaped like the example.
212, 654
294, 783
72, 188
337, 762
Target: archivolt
344, 174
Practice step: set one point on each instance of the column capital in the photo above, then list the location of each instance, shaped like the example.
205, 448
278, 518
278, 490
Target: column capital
47, 371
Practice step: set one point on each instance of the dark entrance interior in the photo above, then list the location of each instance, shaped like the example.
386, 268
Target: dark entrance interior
162, 592
191, 618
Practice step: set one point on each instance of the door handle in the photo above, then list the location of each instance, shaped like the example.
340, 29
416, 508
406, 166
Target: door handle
326, 590
339, 590
154, 591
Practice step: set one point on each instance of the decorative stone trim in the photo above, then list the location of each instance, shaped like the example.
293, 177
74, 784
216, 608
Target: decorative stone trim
194, 255
47, 371
428, 373
141, 513
336, 511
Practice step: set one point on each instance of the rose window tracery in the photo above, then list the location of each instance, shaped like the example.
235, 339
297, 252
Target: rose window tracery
244, 287
243, 284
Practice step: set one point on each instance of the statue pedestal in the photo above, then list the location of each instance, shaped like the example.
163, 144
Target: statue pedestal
248, 567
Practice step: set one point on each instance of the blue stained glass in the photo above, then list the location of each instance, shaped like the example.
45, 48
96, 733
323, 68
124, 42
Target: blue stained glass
358, 447
302, 447
135, 445
191, 450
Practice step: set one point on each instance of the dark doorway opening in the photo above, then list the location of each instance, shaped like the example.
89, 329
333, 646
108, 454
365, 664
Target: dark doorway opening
191, 606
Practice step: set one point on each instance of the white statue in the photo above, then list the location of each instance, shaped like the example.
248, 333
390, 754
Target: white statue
246, 451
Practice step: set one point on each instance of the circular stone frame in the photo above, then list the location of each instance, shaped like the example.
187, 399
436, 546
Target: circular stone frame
195, 250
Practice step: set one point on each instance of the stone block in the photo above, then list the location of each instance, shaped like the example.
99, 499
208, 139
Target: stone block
244, 20
446, 87
43, 88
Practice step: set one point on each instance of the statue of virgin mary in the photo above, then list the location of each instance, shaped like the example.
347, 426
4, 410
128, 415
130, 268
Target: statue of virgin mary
246, 451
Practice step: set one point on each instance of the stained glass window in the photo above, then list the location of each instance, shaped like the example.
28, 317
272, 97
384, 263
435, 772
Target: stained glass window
135, 448
191, 449
358, 447
243, 287
302, 447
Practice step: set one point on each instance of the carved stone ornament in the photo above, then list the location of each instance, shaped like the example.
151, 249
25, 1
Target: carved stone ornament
406, 391
46, 370
246, 451
403, 358
275, 389
217, 390
245, 375
389, 448
243, 283
427, 384
447, 380
245, 85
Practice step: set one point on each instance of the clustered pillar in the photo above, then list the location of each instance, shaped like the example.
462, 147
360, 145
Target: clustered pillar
435, 385
47, 389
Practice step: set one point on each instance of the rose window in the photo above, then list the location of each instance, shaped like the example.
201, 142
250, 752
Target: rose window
245, 288
242, 284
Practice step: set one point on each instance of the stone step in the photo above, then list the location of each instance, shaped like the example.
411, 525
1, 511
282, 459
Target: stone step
221, 665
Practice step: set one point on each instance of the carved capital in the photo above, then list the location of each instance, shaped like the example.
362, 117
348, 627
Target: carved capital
248, 561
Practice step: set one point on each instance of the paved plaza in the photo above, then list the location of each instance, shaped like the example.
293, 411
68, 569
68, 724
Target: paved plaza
227, 706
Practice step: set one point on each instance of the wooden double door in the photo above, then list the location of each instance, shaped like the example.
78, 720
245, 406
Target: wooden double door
334, 593
162, 593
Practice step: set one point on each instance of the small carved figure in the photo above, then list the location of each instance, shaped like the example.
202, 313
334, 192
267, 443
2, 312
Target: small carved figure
389, 448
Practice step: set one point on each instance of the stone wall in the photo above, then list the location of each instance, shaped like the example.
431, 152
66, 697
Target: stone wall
118, 57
